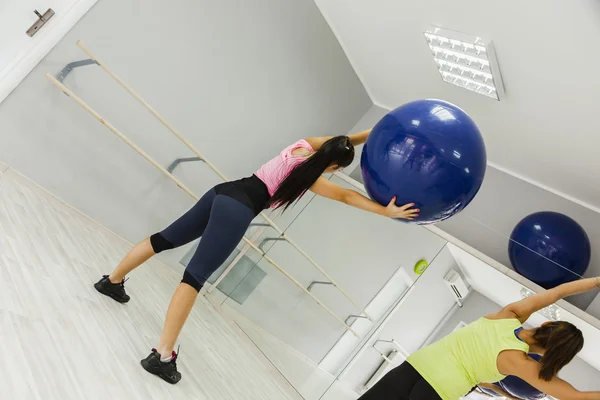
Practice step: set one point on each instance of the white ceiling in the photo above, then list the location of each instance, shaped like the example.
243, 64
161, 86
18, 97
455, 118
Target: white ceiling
545, 129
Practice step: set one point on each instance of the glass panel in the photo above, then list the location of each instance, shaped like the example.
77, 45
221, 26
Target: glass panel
371, 258
479, 252
551, 257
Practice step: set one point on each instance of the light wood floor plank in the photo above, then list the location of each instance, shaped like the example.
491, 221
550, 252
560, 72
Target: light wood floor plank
60, 339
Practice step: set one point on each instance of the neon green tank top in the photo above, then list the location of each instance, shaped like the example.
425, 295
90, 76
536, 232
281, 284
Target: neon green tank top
460, 361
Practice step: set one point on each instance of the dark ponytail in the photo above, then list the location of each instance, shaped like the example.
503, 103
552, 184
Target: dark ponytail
337, 151
561, 342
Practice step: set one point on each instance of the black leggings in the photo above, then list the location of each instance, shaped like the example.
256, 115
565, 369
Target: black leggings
220, 220
401, 383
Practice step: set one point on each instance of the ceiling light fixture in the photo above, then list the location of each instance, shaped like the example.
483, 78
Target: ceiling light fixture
466, 61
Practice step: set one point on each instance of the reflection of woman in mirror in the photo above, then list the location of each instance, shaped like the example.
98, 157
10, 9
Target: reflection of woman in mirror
222, 216
490, 349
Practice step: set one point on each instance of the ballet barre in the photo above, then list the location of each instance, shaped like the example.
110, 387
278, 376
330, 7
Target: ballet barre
181, 185
194, 150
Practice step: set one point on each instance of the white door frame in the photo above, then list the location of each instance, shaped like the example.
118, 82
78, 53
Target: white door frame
52, 34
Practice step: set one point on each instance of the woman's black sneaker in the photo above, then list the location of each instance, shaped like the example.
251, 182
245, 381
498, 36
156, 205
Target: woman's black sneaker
167, 371
115, 291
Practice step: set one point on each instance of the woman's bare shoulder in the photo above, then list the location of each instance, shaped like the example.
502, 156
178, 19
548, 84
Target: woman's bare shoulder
502, 314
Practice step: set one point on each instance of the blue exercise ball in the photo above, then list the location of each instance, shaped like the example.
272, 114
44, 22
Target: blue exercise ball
517, 387
427, 152
520, 389
549, 249
490, 392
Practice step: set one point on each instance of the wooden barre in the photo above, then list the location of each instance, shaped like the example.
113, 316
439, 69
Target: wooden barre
193, 148
148, 158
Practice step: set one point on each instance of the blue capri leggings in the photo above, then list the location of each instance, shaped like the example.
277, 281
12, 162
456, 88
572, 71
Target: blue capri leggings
220, 220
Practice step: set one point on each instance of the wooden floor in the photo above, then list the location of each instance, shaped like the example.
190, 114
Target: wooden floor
59, 339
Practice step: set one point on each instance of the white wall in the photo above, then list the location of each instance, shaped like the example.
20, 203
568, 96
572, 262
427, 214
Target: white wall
19, 53
240, 79
474, 307
594, 307
581, 375
501, 203
417, 316
368, 120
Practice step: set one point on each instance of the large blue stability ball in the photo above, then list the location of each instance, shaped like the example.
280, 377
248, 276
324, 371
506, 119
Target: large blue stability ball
549, 249
427, 152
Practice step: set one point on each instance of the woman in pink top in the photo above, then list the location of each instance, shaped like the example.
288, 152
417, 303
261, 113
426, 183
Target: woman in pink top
222, 216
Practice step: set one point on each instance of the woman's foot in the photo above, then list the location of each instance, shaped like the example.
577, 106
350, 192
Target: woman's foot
115, 291
166, 370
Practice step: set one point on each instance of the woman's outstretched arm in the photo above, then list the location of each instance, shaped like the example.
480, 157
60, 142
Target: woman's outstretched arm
355, 139
523, 309
529, 370
360, 137
326, 188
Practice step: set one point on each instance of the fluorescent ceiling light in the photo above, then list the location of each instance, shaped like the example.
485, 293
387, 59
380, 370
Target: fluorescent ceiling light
466, 61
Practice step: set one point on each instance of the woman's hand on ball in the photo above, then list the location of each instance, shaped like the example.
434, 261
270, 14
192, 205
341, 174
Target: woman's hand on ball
403, 212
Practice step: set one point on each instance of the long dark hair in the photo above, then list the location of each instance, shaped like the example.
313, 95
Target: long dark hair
337, 151
561, 341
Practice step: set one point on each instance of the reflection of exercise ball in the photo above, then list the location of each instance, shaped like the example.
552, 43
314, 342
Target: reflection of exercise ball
490, 392
549, 248
427, 152
519, 388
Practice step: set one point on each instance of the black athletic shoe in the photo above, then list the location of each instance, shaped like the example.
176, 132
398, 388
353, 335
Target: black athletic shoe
167, 371
115, 291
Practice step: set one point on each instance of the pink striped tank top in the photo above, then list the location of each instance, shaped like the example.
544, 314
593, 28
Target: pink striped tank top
276, 170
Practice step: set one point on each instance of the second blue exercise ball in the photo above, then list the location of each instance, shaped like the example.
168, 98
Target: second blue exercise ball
427, 152
549, 249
